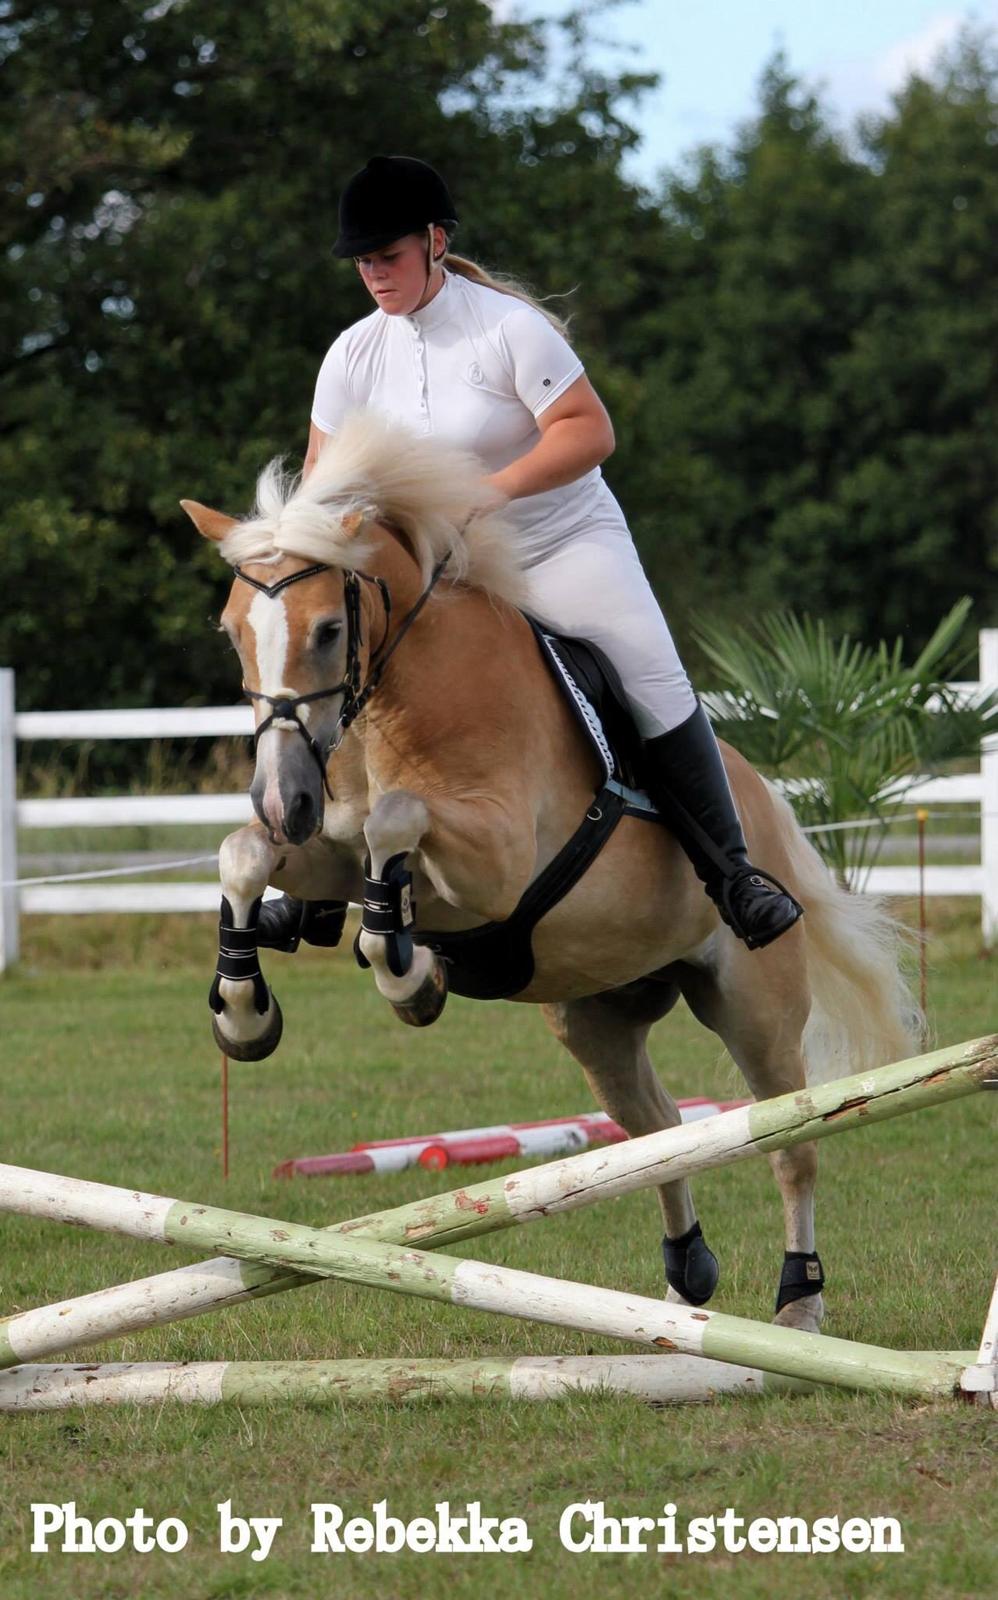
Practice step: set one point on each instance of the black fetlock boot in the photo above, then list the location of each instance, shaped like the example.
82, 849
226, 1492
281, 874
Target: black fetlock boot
691, 1266
686, 779
284, 923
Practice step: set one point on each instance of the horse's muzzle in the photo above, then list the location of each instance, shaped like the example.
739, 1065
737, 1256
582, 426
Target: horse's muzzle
287, 797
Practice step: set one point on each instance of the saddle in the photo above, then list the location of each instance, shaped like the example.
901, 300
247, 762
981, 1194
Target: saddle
496, 961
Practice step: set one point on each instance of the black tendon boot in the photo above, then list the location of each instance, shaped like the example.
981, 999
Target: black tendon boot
284, 923
687, 780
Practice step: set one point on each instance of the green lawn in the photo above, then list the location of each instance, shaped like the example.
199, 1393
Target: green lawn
109, 1073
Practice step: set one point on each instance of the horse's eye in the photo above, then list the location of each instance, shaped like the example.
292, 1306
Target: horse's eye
326, 634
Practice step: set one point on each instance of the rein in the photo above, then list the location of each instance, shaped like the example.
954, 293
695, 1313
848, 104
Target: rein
284, 708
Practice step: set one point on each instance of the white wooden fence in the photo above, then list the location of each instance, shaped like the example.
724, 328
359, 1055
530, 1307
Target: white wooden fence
979, 789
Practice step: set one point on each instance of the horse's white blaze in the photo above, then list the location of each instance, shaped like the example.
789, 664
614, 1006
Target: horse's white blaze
269, 621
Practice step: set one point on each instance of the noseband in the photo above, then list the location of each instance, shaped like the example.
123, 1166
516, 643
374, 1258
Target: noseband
284, 708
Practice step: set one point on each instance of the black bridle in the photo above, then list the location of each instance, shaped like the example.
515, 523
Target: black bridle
284, 708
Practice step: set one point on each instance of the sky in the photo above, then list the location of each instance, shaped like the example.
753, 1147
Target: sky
710, 54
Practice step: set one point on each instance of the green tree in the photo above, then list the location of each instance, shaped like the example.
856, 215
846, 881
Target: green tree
919, 385
171, 172
796, 337
814, 421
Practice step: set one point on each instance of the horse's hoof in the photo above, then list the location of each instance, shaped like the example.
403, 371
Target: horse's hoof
428, 1001
257, 1049
804, 1315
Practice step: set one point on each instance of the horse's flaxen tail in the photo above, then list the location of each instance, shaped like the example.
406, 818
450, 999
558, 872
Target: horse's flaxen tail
862, 1012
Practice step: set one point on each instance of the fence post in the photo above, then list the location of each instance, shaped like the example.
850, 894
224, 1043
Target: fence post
988, 673
9, 943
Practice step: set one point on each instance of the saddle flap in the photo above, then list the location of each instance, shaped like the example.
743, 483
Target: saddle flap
593, 689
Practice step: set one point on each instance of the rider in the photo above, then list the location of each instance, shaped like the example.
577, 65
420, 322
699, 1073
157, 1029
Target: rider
452, 351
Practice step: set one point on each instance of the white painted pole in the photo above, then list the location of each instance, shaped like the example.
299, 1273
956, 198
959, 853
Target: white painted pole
673, 1328
988, 647
9, 940
520, 1198
658, 1380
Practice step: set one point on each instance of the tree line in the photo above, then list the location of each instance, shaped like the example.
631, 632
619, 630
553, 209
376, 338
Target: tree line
796, 333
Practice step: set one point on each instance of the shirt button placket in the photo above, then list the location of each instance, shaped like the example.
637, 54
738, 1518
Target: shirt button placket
424, 409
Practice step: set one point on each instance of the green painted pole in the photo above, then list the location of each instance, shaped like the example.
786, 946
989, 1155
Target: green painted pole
655, 1379
522, 1197
476, 1286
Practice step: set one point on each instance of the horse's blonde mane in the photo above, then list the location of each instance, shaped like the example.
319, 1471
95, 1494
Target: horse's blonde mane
374, 470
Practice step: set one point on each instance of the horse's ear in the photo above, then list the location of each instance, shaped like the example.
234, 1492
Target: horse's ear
354, 522
213, 525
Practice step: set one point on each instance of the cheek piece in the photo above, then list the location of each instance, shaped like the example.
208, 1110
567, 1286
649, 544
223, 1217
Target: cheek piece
432, 260
284, 708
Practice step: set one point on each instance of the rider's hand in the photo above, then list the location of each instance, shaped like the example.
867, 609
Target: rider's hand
492, 497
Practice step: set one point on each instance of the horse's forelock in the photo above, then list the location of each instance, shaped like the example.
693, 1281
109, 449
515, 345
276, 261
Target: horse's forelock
376, 469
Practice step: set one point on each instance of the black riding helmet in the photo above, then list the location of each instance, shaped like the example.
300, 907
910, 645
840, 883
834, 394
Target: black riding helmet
390, 197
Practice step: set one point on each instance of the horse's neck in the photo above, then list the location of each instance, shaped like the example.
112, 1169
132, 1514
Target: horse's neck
467, 704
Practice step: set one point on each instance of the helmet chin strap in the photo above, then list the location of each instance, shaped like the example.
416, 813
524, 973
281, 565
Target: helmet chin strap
432, 261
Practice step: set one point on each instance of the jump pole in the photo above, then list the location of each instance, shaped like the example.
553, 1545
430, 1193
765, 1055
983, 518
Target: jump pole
465, 1147
658, 1379
477, 1286
522, 1197
655, 1380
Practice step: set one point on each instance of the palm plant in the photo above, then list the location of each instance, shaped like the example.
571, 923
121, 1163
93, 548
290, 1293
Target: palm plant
848, 727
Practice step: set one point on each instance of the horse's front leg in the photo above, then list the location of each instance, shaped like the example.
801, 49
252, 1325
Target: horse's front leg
409, 976
246, 1021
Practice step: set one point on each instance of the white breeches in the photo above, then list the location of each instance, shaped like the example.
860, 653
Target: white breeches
594, 587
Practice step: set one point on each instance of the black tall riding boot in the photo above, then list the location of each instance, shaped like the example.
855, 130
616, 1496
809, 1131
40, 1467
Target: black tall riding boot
284, 923
687, 780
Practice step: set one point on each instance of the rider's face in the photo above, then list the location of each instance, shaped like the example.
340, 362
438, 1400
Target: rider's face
395, 277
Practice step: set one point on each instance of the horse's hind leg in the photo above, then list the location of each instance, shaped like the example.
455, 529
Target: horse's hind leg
607, 1034
758, 1004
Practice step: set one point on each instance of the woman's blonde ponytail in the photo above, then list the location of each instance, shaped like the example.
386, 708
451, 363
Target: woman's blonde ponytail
504, 285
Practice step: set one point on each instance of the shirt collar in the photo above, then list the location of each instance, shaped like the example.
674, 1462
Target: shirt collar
440, 309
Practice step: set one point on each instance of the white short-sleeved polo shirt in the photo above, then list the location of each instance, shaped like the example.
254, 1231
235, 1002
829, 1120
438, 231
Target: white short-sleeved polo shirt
477, 368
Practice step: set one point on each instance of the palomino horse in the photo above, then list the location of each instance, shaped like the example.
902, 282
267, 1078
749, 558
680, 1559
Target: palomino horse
405, 715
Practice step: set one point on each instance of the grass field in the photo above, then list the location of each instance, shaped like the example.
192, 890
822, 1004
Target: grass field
109, 1073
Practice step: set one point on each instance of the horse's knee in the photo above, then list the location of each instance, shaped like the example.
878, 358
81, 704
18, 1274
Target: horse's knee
395, 826
245, 861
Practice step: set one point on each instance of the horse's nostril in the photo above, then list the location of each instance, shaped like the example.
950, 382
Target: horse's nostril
300, 817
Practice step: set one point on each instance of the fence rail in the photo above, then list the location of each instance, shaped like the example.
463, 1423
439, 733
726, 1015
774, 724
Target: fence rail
980, 788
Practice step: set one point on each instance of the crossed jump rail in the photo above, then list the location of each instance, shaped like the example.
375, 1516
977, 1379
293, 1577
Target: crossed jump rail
403, 1250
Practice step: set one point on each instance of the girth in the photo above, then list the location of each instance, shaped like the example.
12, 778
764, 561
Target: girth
496, 961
